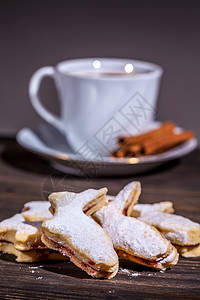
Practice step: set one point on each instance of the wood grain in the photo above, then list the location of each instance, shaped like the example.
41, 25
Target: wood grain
25, 177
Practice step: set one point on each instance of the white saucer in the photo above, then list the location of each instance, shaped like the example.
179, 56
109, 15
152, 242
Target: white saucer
49, 143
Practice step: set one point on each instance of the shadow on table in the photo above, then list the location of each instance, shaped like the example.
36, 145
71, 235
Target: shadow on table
127, 269
65, 268
8, 257
15, 156
69, 269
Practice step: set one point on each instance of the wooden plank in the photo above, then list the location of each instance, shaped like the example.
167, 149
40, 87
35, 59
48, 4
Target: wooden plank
33, 178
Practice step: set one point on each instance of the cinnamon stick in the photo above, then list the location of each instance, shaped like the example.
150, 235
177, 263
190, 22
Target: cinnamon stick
166, 142
161, 130
153, 142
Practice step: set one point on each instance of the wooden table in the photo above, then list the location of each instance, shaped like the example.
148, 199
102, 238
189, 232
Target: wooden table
25, 177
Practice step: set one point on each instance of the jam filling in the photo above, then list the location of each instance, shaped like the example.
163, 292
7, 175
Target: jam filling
2, 240
25, 208
136, 259
35, 246
124, 212
68, 252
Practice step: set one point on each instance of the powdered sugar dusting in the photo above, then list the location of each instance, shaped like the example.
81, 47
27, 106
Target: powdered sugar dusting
176, 228
61, 200
130, 234
17, 223
173, 256
80, 230
165, 206
37, 210
124, 194
129, 273
35, 267
135, 274
124, 271
111, 291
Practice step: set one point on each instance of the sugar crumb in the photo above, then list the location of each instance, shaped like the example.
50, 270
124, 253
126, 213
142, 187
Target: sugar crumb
35, 267
129, 273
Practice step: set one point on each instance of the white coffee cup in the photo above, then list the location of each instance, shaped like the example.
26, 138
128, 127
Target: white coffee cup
100, 99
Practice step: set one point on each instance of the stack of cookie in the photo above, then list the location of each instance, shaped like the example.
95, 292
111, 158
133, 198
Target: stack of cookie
95, 231
21, 234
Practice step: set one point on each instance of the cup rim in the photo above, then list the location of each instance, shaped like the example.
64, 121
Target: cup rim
155, 70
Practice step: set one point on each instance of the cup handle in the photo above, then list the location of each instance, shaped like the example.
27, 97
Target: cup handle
34, 87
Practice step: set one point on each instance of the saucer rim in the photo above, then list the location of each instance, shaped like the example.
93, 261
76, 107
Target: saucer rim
52, 154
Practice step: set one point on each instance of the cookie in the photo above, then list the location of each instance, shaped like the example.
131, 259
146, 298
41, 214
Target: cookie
75, 234
36, 211
30, 255
23, 239
133, 239
179, 230
165, 207
189, 251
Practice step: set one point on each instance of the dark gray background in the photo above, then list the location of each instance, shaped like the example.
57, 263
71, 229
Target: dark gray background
38, 33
